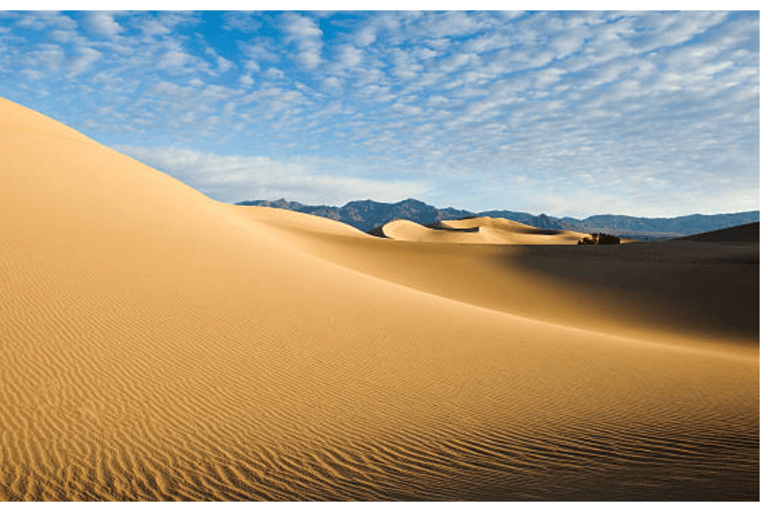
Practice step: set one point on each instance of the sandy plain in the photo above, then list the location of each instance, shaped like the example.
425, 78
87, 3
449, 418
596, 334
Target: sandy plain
158, 345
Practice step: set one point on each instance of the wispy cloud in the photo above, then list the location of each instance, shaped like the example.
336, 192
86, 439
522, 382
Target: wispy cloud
235, 177
244, 21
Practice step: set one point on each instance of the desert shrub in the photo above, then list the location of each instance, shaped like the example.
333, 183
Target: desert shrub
599, 239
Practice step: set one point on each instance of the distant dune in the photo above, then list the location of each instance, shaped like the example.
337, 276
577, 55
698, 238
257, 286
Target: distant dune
479, 230
159, 345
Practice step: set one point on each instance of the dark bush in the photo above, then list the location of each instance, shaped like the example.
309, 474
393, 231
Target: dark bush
599, 239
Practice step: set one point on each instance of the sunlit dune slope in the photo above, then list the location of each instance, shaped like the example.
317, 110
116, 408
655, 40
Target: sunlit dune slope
478, 230
156, 344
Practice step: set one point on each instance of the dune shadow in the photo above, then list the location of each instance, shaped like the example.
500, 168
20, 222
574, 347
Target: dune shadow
378, 231
668, 287
439, 226
538, 231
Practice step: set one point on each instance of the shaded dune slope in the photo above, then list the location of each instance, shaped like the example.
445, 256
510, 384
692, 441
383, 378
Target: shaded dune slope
156, 344
746, 233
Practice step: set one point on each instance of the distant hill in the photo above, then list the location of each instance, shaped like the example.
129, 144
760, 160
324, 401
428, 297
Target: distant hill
369, 215
748, 233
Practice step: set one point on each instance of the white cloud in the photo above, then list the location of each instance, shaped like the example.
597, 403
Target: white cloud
350, 56
451, 23
332, 82
274, 74
655, 30
567, 43
223, 65
489, 42
102, 23
240, 20
33, 74
260, 49
44, 20
246, 80
366, 35
306, 36
456, 61
63, 36
173, 59
405, 65
49, 56
164, 23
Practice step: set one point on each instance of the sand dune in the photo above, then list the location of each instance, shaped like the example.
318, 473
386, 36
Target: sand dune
478, 230
679, 293
160, 345
746, 233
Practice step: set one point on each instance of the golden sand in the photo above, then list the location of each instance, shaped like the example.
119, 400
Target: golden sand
158, 345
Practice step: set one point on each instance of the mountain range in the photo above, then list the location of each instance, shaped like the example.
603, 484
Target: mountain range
369, 215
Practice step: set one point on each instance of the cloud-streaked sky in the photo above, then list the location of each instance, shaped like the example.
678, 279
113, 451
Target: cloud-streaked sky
566, 113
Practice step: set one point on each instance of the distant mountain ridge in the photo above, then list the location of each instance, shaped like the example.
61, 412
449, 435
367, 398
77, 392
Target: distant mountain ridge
368, 215
663, 227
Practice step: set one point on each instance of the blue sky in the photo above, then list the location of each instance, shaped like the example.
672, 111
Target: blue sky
566, 113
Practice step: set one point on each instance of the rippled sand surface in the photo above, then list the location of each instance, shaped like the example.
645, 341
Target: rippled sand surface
158, 345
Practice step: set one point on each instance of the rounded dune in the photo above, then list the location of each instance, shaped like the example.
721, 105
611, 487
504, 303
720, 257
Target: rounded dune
479, 230
402, 229
159, 345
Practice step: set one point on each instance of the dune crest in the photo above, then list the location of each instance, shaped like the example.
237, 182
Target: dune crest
159, 345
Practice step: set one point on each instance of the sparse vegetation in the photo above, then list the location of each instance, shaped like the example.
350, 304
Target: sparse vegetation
599, 239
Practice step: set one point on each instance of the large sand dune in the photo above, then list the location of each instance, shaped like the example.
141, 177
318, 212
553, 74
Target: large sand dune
744, 234
156, 344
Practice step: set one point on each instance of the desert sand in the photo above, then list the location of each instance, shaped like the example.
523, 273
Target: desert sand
158, 345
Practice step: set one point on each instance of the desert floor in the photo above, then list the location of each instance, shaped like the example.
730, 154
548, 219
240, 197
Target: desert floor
158, 345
